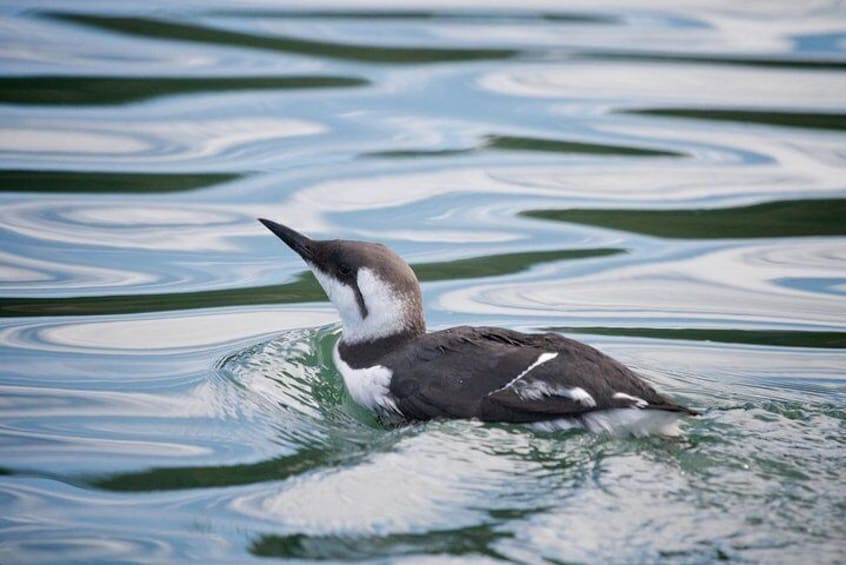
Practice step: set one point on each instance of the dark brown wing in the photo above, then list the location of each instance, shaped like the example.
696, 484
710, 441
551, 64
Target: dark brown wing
482, 372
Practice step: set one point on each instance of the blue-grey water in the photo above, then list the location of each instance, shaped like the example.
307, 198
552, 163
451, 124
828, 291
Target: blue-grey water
663, 180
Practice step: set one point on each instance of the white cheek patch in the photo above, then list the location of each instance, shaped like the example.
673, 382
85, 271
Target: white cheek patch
342, 296
387, 312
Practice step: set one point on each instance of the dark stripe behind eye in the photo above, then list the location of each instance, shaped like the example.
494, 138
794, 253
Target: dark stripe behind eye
362, 307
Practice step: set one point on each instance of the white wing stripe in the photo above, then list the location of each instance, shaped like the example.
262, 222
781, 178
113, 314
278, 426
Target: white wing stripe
639, 402
542, 358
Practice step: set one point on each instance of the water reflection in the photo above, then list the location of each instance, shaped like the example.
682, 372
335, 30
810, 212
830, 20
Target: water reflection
111, 538
783, 338
813, 120
152, 334
462, 14
373, 496
125, 227
161, 29
117, 90
19, 273
468, 542
513, 143
678, 81
303, 289
791, 218
68, 140
96, 182
730, 285
667, 183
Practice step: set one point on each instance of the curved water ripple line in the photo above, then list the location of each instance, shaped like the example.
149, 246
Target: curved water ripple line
18, 272
128, 223
43, 46
618, 182
686, 84
267, 396
717, 376
212, 226
284, 372
94, 526
210, 399
143, 217
459, 469
687, 496
736, 284
157, 334
131, 223
138, 142
46, 445
806, 159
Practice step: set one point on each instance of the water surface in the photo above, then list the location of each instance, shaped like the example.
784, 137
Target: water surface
663, 182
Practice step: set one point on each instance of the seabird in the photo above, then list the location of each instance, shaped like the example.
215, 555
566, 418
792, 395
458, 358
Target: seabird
391, 365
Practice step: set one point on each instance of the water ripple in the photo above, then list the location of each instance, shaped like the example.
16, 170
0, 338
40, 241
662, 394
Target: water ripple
154, 334
689, 84
19, 272
127, 227
106, 143
727, 285
167, 391
99, 526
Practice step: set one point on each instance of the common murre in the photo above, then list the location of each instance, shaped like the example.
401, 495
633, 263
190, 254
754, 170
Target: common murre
392, 366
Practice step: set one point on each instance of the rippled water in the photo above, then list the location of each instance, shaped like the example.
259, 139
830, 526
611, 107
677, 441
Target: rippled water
665, 181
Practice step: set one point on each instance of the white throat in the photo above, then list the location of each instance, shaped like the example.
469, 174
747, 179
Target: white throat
387, 311
369, 387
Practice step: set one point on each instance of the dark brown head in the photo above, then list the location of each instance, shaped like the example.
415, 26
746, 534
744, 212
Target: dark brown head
374, 290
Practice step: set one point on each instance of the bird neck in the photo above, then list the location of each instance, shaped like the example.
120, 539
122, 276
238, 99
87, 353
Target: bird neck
361, 354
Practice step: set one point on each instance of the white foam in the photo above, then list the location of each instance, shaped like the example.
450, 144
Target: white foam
619, 422
633, 421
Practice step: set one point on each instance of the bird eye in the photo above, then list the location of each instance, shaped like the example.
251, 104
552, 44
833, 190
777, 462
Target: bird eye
344, 269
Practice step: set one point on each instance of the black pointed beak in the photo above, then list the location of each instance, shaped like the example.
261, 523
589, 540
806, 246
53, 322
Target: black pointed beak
293, 239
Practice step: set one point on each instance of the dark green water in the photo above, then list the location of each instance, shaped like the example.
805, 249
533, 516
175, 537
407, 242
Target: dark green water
667, 184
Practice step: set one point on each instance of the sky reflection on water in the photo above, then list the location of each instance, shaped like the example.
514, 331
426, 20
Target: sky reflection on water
663, 182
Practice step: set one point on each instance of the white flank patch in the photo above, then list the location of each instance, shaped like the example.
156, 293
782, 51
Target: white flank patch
542, 358
369, 386
618, 422
581, 396
639, 402
386, 310
538, 389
